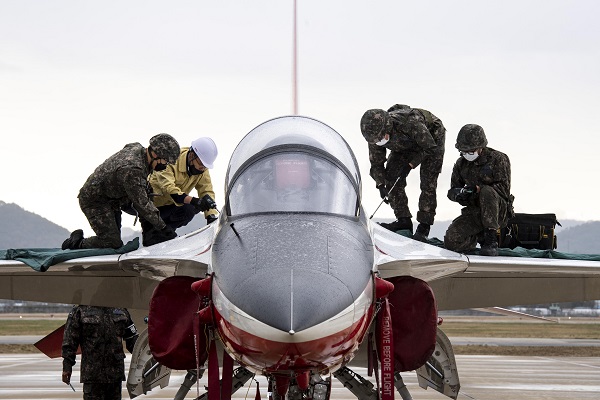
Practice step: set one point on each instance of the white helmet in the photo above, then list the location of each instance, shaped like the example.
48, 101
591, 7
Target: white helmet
206, 150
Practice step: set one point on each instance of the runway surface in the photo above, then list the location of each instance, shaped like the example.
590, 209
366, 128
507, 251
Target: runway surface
34, 376
456, 341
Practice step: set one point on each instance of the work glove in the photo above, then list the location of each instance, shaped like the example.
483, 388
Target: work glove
404, 171
211, 218
463, 195
203, 204
383, 192
66, 377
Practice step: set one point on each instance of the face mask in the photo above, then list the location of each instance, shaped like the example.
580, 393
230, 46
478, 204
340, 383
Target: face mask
470, 156
191, 170
382, 142
160, 167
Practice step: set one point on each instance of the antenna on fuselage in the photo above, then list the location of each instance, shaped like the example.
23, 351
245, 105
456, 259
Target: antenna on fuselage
295, 66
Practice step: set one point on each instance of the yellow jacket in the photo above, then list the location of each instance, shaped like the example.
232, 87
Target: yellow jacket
175, 180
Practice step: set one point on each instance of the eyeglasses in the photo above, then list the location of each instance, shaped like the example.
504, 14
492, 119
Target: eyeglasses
462, 153
196, 158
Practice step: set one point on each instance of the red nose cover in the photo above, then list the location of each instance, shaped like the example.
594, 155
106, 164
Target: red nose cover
414, 321
170, 324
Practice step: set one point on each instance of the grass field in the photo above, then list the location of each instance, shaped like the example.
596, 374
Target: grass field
515, 329
585, 328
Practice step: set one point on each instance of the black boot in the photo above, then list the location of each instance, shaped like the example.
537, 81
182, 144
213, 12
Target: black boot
400, 224
148, 233
490, 243
422, 232
74, 241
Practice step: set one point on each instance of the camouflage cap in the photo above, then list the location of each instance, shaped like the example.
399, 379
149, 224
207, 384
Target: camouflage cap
165, 147
471, 137
374, 124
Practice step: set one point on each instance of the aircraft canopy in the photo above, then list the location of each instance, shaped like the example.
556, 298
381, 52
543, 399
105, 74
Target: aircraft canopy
293, 164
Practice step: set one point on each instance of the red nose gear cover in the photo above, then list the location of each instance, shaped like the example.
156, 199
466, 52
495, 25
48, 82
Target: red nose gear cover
170, 324
414, 319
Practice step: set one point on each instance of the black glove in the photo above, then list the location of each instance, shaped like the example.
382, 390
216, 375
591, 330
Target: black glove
383, 192
211, 218
463, 195
204, 204
404, 171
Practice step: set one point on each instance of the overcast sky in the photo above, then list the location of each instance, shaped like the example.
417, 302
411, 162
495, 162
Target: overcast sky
80, 79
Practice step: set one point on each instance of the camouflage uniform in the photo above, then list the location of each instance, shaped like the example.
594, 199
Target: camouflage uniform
487, 209
418, 138
118, 182
100, 332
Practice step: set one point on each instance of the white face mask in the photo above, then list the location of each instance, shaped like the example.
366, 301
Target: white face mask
382, 141
470, 156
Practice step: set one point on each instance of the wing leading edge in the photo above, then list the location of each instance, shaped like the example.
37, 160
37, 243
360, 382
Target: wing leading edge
126, 280
460, 281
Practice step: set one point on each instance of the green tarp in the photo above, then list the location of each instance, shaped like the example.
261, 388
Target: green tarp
41, 259
520, 251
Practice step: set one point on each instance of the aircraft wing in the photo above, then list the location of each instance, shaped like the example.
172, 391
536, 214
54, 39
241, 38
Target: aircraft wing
470, 281
126, 280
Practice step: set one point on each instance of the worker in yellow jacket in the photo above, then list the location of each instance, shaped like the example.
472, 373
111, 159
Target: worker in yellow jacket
172, 189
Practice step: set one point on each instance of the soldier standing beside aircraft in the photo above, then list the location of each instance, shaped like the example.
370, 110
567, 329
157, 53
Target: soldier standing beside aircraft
119, 182
173, 185
414, 136
481, 183
100, 331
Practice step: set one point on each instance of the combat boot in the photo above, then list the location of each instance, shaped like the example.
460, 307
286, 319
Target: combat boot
490, 243
74, 241
422, 232
400, 224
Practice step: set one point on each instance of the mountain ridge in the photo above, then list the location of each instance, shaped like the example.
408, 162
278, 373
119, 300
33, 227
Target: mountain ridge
20, 228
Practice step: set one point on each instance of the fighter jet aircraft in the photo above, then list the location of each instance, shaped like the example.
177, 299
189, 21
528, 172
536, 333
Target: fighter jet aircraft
296, 283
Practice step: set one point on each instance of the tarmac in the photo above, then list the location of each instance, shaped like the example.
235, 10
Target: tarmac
456, 341
34, 376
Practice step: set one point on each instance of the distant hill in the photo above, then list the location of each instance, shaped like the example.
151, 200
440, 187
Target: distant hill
23, 229
20, 228
580, 239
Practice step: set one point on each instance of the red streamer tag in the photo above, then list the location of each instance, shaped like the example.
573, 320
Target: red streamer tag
257, 397
226, 380
214, 392
387, 352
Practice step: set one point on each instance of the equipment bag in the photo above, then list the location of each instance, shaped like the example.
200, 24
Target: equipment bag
530, 231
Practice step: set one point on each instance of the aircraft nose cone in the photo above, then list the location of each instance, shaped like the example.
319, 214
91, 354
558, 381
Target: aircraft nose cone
294, 300
292, 272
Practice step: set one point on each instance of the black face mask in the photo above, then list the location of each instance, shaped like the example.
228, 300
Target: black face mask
191, 170
160, 167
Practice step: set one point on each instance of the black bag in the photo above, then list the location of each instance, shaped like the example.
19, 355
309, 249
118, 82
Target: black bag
530, 231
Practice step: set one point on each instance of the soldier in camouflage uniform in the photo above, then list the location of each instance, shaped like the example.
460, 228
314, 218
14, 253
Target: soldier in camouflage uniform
414, 137
481, 183
120, 182
100, 331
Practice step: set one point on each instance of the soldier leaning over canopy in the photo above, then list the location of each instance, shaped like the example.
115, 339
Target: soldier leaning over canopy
414, 137
118, 183
481, 183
